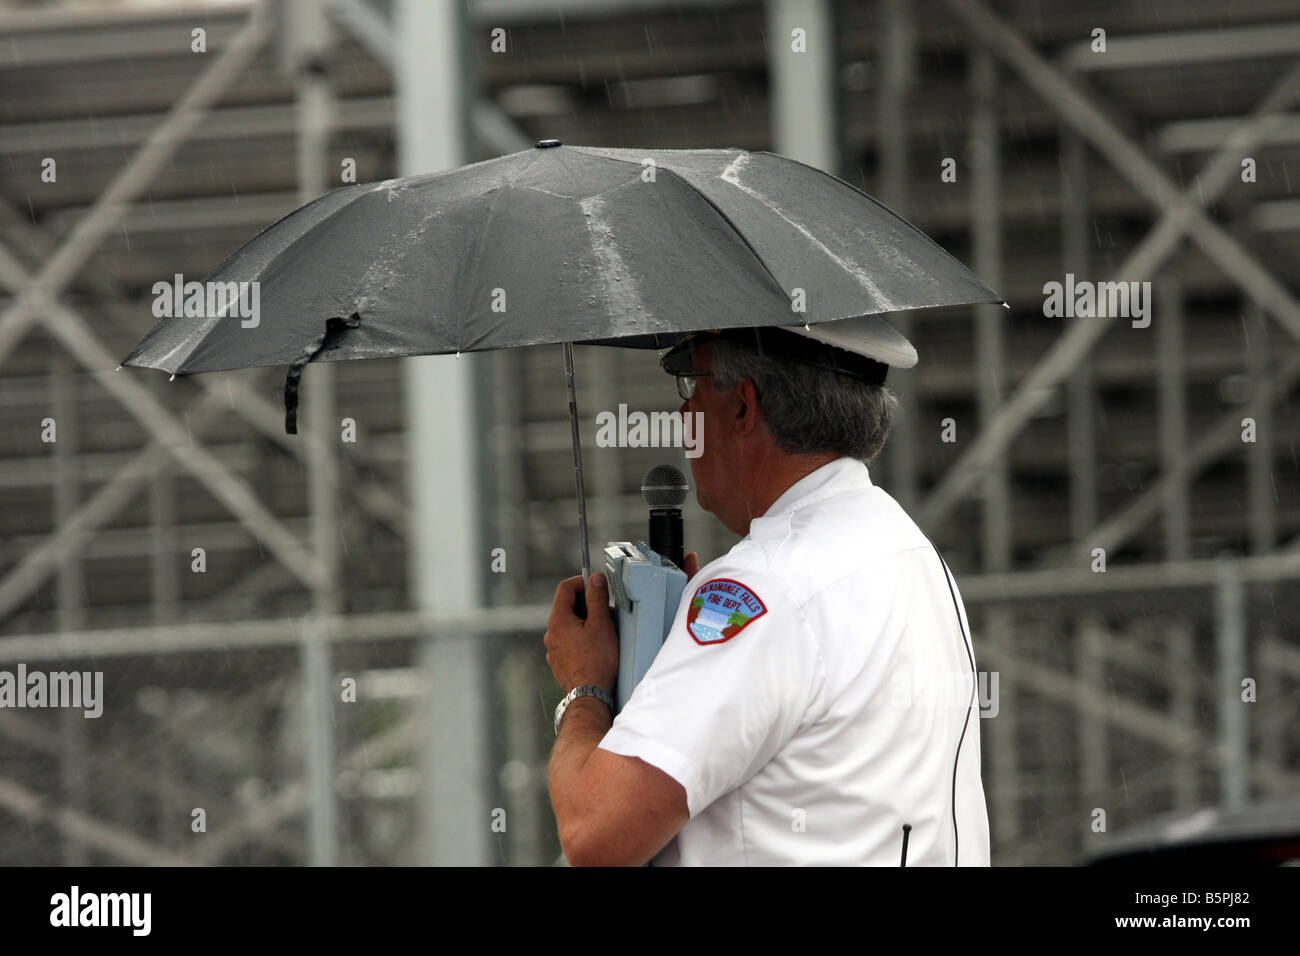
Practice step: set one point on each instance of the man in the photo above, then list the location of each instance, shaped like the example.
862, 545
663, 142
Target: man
814, 701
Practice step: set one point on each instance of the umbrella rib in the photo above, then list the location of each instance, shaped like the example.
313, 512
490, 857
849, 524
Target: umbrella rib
720, 211
739, 234
730, 175
883, 208
852, 268
193, 346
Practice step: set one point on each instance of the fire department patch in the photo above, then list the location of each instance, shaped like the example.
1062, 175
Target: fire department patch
721, 609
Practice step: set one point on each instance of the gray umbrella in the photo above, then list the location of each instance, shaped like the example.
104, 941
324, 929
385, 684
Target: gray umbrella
557, 244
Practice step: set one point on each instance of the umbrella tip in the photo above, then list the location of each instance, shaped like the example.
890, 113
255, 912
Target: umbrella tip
1006, 305
118, 369
173, 378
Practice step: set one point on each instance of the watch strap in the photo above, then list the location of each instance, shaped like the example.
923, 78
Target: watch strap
586, 690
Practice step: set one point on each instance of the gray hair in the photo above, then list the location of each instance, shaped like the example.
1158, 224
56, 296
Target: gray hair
808, 409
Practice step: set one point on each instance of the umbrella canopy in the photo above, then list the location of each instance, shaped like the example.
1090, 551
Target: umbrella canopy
563, 244
557, 244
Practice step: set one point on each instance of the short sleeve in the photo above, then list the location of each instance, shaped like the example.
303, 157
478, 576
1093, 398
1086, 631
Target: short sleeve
735, 678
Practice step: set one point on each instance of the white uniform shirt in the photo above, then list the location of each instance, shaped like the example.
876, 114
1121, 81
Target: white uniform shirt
831, 714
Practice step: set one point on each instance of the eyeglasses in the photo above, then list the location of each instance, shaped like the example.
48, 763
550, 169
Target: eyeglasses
686, 383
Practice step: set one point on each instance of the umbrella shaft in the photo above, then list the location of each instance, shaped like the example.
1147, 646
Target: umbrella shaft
577, 461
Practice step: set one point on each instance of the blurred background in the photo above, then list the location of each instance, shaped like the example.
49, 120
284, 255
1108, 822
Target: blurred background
416, 564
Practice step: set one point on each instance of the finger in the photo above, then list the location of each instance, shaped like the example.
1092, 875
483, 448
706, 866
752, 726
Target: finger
565, 595
569, 585
598, 595
692, 565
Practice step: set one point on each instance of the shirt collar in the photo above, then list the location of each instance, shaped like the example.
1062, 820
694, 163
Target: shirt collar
831, 479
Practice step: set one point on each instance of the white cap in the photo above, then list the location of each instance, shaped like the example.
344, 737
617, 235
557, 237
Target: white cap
866, 335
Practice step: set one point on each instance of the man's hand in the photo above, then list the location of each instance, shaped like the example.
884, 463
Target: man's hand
610, 810
586, 652
577, 651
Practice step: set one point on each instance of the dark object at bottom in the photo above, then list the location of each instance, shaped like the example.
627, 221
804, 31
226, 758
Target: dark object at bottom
1265, 834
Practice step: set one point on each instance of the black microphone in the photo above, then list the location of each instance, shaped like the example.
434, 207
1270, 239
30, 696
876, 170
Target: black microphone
664, 489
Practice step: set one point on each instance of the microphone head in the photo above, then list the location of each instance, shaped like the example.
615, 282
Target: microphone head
664, 486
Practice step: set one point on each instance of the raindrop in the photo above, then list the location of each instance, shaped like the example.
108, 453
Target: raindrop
515, 774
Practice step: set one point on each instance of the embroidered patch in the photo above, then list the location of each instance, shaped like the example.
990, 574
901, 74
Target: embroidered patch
721, 609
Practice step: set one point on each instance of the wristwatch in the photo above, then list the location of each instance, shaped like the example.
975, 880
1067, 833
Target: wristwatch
586, 690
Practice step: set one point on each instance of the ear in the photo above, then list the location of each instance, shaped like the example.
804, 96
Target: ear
748, 414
